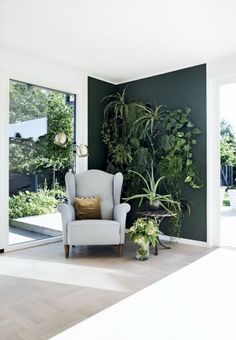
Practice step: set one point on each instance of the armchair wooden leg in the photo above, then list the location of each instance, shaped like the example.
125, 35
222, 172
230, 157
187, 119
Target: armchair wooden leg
66, 249
120, 250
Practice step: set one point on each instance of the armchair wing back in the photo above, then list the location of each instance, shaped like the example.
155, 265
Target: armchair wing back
96, 182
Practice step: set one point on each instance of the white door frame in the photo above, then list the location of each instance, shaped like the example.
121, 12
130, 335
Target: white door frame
81, 138
213, 158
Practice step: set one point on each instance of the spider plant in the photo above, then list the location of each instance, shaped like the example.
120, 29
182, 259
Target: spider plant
117, 104
148, 118
150, 193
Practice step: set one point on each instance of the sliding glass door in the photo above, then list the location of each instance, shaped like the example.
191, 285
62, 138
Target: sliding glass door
37, 165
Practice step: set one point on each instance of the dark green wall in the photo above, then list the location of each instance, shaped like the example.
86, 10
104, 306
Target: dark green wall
186, 87
97, 90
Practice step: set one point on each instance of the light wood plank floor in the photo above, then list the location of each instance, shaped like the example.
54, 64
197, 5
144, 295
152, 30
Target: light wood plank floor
42, 293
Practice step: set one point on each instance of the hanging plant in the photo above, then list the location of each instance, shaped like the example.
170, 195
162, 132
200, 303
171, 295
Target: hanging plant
149, 118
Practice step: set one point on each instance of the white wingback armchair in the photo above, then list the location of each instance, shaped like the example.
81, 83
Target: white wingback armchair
110, 230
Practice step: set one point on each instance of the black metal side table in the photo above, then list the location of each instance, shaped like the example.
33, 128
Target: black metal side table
158, 215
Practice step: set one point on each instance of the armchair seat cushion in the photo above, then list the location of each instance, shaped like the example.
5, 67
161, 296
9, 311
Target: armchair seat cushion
93, 232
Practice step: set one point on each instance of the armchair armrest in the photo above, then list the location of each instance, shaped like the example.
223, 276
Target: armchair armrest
119, 215
67, 215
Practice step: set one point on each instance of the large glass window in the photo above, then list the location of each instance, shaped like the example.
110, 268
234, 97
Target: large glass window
37, 166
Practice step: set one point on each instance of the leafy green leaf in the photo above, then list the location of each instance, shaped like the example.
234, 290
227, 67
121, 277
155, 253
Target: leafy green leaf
183, 118
190, 124
188, 134
188, 110
187, 147
135, 142
196, 131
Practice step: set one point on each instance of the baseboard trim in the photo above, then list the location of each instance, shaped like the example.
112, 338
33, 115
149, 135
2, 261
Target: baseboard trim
182, 240
185, 241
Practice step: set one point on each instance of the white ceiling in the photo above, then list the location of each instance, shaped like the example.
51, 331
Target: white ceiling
119, 40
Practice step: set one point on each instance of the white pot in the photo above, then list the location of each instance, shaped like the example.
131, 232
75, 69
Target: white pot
154, 206
232, 198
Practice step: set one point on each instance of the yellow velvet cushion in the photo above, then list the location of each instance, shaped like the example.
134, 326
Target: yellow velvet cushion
88, 208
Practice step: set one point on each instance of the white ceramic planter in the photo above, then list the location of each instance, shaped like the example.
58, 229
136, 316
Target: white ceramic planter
232, 198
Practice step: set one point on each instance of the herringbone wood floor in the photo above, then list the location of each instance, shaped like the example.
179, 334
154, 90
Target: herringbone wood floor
41, 293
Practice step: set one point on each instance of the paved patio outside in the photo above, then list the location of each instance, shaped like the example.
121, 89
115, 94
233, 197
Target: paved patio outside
228, 226
34, 228
18, 235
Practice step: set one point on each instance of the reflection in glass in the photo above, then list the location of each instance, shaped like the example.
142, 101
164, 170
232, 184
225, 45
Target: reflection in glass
37, 166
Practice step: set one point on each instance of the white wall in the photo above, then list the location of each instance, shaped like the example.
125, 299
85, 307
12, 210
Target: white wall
219, 72
222, 69
19, 65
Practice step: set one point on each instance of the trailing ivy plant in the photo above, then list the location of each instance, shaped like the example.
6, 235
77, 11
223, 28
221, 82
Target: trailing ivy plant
176, 161
172, 135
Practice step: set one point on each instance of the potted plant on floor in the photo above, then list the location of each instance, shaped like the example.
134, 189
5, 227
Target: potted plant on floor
144, 231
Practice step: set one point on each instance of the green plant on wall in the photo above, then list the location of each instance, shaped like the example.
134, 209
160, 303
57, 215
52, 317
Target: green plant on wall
141, 135
150, 193
126, 148
148, 119
177, 142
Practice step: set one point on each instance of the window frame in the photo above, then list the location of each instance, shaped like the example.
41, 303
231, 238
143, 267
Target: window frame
81, 137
